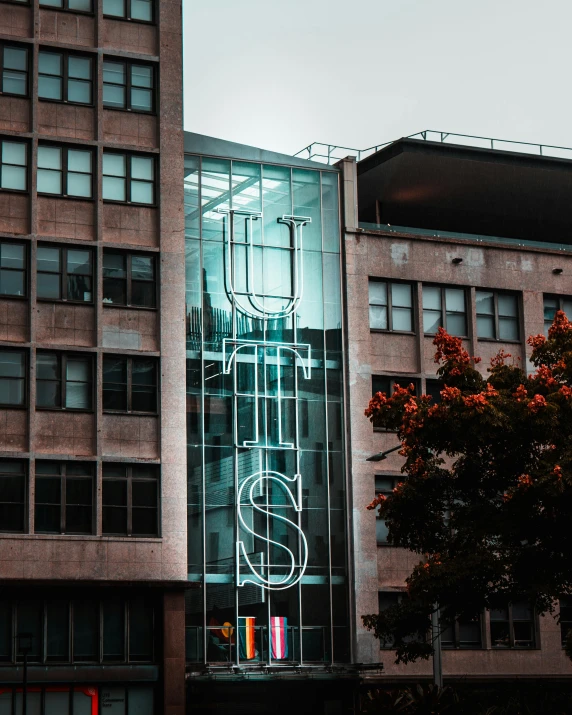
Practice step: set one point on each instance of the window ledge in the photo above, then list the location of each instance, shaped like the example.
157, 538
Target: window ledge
392, 332
80, 537
128, 307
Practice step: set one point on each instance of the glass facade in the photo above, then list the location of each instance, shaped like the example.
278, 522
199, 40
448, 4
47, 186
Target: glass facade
266, 479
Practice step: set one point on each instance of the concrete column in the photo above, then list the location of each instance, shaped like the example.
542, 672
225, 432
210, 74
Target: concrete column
174, 653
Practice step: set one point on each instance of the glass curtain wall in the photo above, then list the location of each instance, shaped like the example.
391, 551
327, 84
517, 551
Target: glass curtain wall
266, 483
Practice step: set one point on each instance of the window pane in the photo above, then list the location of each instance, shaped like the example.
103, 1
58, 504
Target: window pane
78, 519
114, 265
113, 72
523, 634
12, 255
566, 307
113, 189
144, 493
49, 87
78, 385
80, 5
48, 259
47, 366
485, 326
508, 329
114, 384
143, 294
49, 182
5, 636
142, 100
113, 164
455, 300
142, 168
14, 82
470, 634
508, 305
57, 617
79, 67
141, 76
79, 262
57, 703
377, 293
79, 161
141, 192
29, 620
140, 700
12, 283
85, 631
140, 631
51, 3
456, 324
79, 185
79, 91
114, 291
48, 286
11, 364
144, 372
114, 7
550, 308
48, 394
401, 319
113, 630
431, 321
500, 636
15, 58
141, 10
144, 399
485, 302
142, 267
50, 63
431, 298
378, 317
11, 489
113, 96
401, 295
14, 153
13, 177
144, 522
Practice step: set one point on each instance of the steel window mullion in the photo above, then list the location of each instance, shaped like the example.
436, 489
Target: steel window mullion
65, 77
63, 272
389, 307
442, 296
63, 369
129, 384
496, 315
128, 177
63, 481
128, 291
128, 86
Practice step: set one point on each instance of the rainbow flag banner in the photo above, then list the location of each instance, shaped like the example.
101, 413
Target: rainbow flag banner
279, 637
246, 647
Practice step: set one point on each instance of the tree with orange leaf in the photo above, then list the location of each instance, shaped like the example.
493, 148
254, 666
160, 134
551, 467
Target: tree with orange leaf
486, 495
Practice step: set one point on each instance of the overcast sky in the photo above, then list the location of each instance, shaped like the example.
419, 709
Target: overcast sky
280, 74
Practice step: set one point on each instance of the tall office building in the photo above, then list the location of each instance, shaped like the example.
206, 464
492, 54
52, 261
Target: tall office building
92, 409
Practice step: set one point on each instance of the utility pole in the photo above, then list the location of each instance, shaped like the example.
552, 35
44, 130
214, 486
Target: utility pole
436, 641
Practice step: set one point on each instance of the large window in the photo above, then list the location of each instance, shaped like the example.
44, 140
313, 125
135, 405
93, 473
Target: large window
71, 5
63, 381
128, 178
12, 500
65, 78
388, 599
129, 279
497, 315
552, 303
387, 383
128, 86
12, 269
14, 70
129, 384
138, 10
513, 626
565, 617
83, 629
65, 274
63, 171
12, 378
390, 306
444, 307
130, 499
64, 497
383, 485
13, 165
463, 633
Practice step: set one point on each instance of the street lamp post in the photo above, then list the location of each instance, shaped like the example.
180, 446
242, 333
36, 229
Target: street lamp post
24, 646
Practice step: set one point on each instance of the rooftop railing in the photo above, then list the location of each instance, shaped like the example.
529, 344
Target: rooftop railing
330, 153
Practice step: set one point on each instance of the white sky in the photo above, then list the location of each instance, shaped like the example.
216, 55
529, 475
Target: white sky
279, 74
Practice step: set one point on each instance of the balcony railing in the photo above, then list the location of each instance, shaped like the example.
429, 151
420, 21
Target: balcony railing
330, 153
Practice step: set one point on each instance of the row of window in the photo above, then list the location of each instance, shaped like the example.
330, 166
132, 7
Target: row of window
65, 381
134, 10
391, 308
69, 78
64, 501
514, 626
83, 630
66, 273
70, 172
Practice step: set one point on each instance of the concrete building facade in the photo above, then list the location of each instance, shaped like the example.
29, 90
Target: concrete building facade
92, 505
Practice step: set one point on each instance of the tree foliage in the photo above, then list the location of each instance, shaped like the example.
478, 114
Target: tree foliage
486, 496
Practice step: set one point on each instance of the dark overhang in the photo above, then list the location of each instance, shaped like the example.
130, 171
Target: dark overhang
448, 187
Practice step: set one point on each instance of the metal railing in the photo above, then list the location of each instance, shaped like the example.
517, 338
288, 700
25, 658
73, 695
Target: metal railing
330, 153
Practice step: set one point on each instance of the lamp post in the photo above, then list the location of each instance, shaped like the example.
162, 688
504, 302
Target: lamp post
24, 646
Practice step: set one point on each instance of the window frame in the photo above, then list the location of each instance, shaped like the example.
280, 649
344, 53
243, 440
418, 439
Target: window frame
24, 379
65, 55
560, 298
61, 379
128, 155
390, 329
128, 255
496, 293
443, 301
127, 65
129, 479
15, 140
127, 17
403, 381
63, 477
15, 45
65, 8
25, 474
511, 646
25, 270
394, 479
65, 149
63, 274
129, 384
